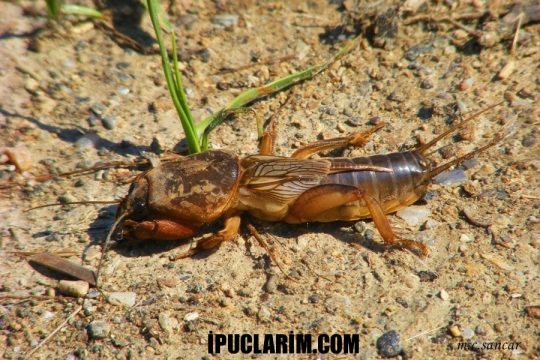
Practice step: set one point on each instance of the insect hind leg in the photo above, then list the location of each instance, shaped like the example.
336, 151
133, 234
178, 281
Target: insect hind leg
385, 229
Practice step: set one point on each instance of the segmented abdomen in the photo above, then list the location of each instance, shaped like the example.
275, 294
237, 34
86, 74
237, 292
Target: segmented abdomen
394, 189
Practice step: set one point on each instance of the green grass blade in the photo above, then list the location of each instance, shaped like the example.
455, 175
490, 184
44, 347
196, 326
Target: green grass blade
179, 84
53, 8
80, 10
172, 85
275, 86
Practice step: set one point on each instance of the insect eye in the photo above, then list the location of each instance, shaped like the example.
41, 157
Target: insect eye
139, 210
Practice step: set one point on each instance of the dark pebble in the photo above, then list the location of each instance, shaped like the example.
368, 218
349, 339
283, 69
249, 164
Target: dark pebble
529, 140
353, 121
426, 276
369, 235
82, 99
222, 85
388, 344
204, 54
426, 84
98, 329
98, 108
480, 330
122, 65
394, 96
417, 50
123, 76
375, 120
92, 119
53, 237
425, 113
328, 110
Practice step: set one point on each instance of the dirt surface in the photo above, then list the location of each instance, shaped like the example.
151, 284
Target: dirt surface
72, 97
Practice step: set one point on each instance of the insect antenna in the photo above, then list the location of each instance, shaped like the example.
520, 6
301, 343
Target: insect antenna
507, 130
86, 202
422, 148
106, 244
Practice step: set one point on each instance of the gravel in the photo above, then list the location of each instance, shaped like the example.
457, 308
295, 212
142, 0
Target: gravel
388, 344
98, 329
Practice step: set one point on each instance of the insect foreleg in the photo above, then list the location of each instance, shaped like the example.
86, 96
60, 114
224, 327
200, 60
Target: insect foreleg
228, 233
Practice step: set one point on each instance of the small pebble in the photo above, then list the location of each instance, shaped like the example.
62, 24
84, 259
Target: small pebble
226, 20
359, 227
109, 122
454, 331
426, 276
529, 140
466, 238
122, 298
388, 344
375, 120
84, 142
426, 84
414, 215
430, 224
415, 51
453, 177
73, 288
47, 315
31, 85
468, 333
98, 329
66, 198
507, 70
353, 121
98, 109
264, 314
466, 84
444, 295
192, 316
480, 330
122, 90
394, 96
271, 284
166, 323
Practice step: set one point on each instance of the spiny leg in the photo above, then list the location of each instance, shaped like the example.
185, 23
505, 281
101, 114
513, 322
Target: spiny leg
358, 139
229, 231
325, 198
385, 229
269, 250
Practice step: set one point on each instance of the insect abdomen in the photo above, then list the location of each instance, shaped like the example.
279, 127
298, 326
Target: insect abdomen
393, 190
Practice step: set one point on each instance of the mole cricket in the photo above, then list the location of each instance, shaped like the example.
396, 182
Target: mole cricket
179, 198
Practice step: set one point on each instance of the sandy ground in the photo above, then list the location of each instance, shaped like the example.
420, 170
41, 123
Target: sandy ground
73, 97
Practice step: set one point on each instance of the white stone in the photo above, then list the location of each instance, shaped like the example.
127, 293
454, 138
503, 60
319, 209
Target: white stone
120, 298
191, 316
414, 215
